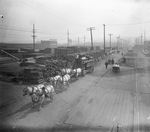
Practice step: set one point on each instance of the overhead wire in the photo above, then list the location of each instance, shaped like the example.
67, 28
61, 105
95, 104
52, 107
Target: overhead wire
10, 36
50, 34
126, 24
47, 11
4, 27
15, 29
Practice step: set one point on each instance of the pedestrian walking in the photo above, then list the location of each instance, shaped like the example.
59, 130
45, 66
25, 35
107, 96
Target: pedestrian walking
112, 61
106, 64
118, 128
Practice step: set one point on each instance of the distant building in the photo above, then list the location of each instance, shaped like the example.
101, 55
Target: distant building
52, 43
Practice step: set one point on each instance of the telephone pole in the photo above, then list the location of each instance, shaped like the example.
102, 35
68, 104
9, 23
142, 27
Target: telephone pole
118, 42
33, 36
144, 36
84, 40
110, 40
68, 37
78, 41
141, 39
104, 36
90, 29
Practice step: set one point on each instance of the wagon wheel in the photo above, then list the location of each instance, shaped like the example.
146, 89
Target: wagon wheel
92, 69
51, 96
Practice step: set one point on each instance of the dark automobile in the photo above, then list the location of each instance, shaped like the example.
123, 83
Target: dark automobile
116, 67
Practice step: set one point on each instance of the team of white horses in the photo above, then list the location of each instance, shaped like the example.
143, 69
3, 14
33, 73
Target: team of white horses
42, 91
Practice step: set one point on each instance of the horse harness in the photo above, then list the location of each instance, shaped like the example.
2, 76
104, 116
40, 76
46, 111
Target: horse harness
32, 91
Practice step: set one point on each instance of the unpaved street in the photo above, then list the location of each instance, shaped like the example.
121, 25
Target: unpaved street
100, 102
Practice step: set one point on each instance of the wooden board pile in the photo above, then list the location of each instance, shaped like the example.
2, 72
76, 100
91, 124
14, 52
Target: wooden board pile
32, 75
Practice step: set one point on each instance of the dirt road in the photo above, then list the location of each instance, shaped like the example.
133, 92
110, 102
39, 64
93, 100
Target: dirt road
101, 101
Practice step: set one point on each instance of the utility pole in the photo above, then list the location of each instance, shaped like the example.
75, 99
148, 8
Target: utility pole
33, 37
90, 29
117, 42
110, 40
3, 38
124, 41
141, 39
78, 41
121, 44
144, 36
68, 37
84, 40
104, 36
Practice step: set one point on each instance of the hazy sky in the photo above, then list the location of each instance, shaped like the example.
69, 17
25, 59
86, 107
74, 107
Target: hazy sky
52, 18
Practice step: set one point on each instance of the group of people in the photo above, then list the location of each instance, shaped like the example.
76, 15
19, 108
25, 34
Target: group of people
107, 62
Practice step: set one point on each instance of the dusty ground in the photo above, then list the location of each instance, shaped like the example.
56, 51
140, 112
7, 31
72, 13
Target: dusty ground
98, 102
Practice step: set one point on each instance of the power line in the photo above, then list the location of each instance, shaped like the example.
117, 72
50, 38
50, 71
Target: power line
12, 27
126, 24
21, 30
47, 10
44, 33
14, 36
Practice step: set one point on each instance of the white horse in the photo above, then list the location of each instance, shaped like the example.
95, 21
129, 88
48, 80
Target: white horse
66, 71
65, 79
54, 80
32, 91
45, 92
29, 90
77, 72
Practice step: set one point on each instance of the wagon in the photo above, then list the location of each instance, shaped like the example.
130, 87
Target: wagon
86, 63
116, 68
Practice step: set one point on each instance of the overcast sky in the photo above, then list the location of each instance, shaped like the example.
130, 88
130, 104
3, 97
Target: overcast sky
52, 18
